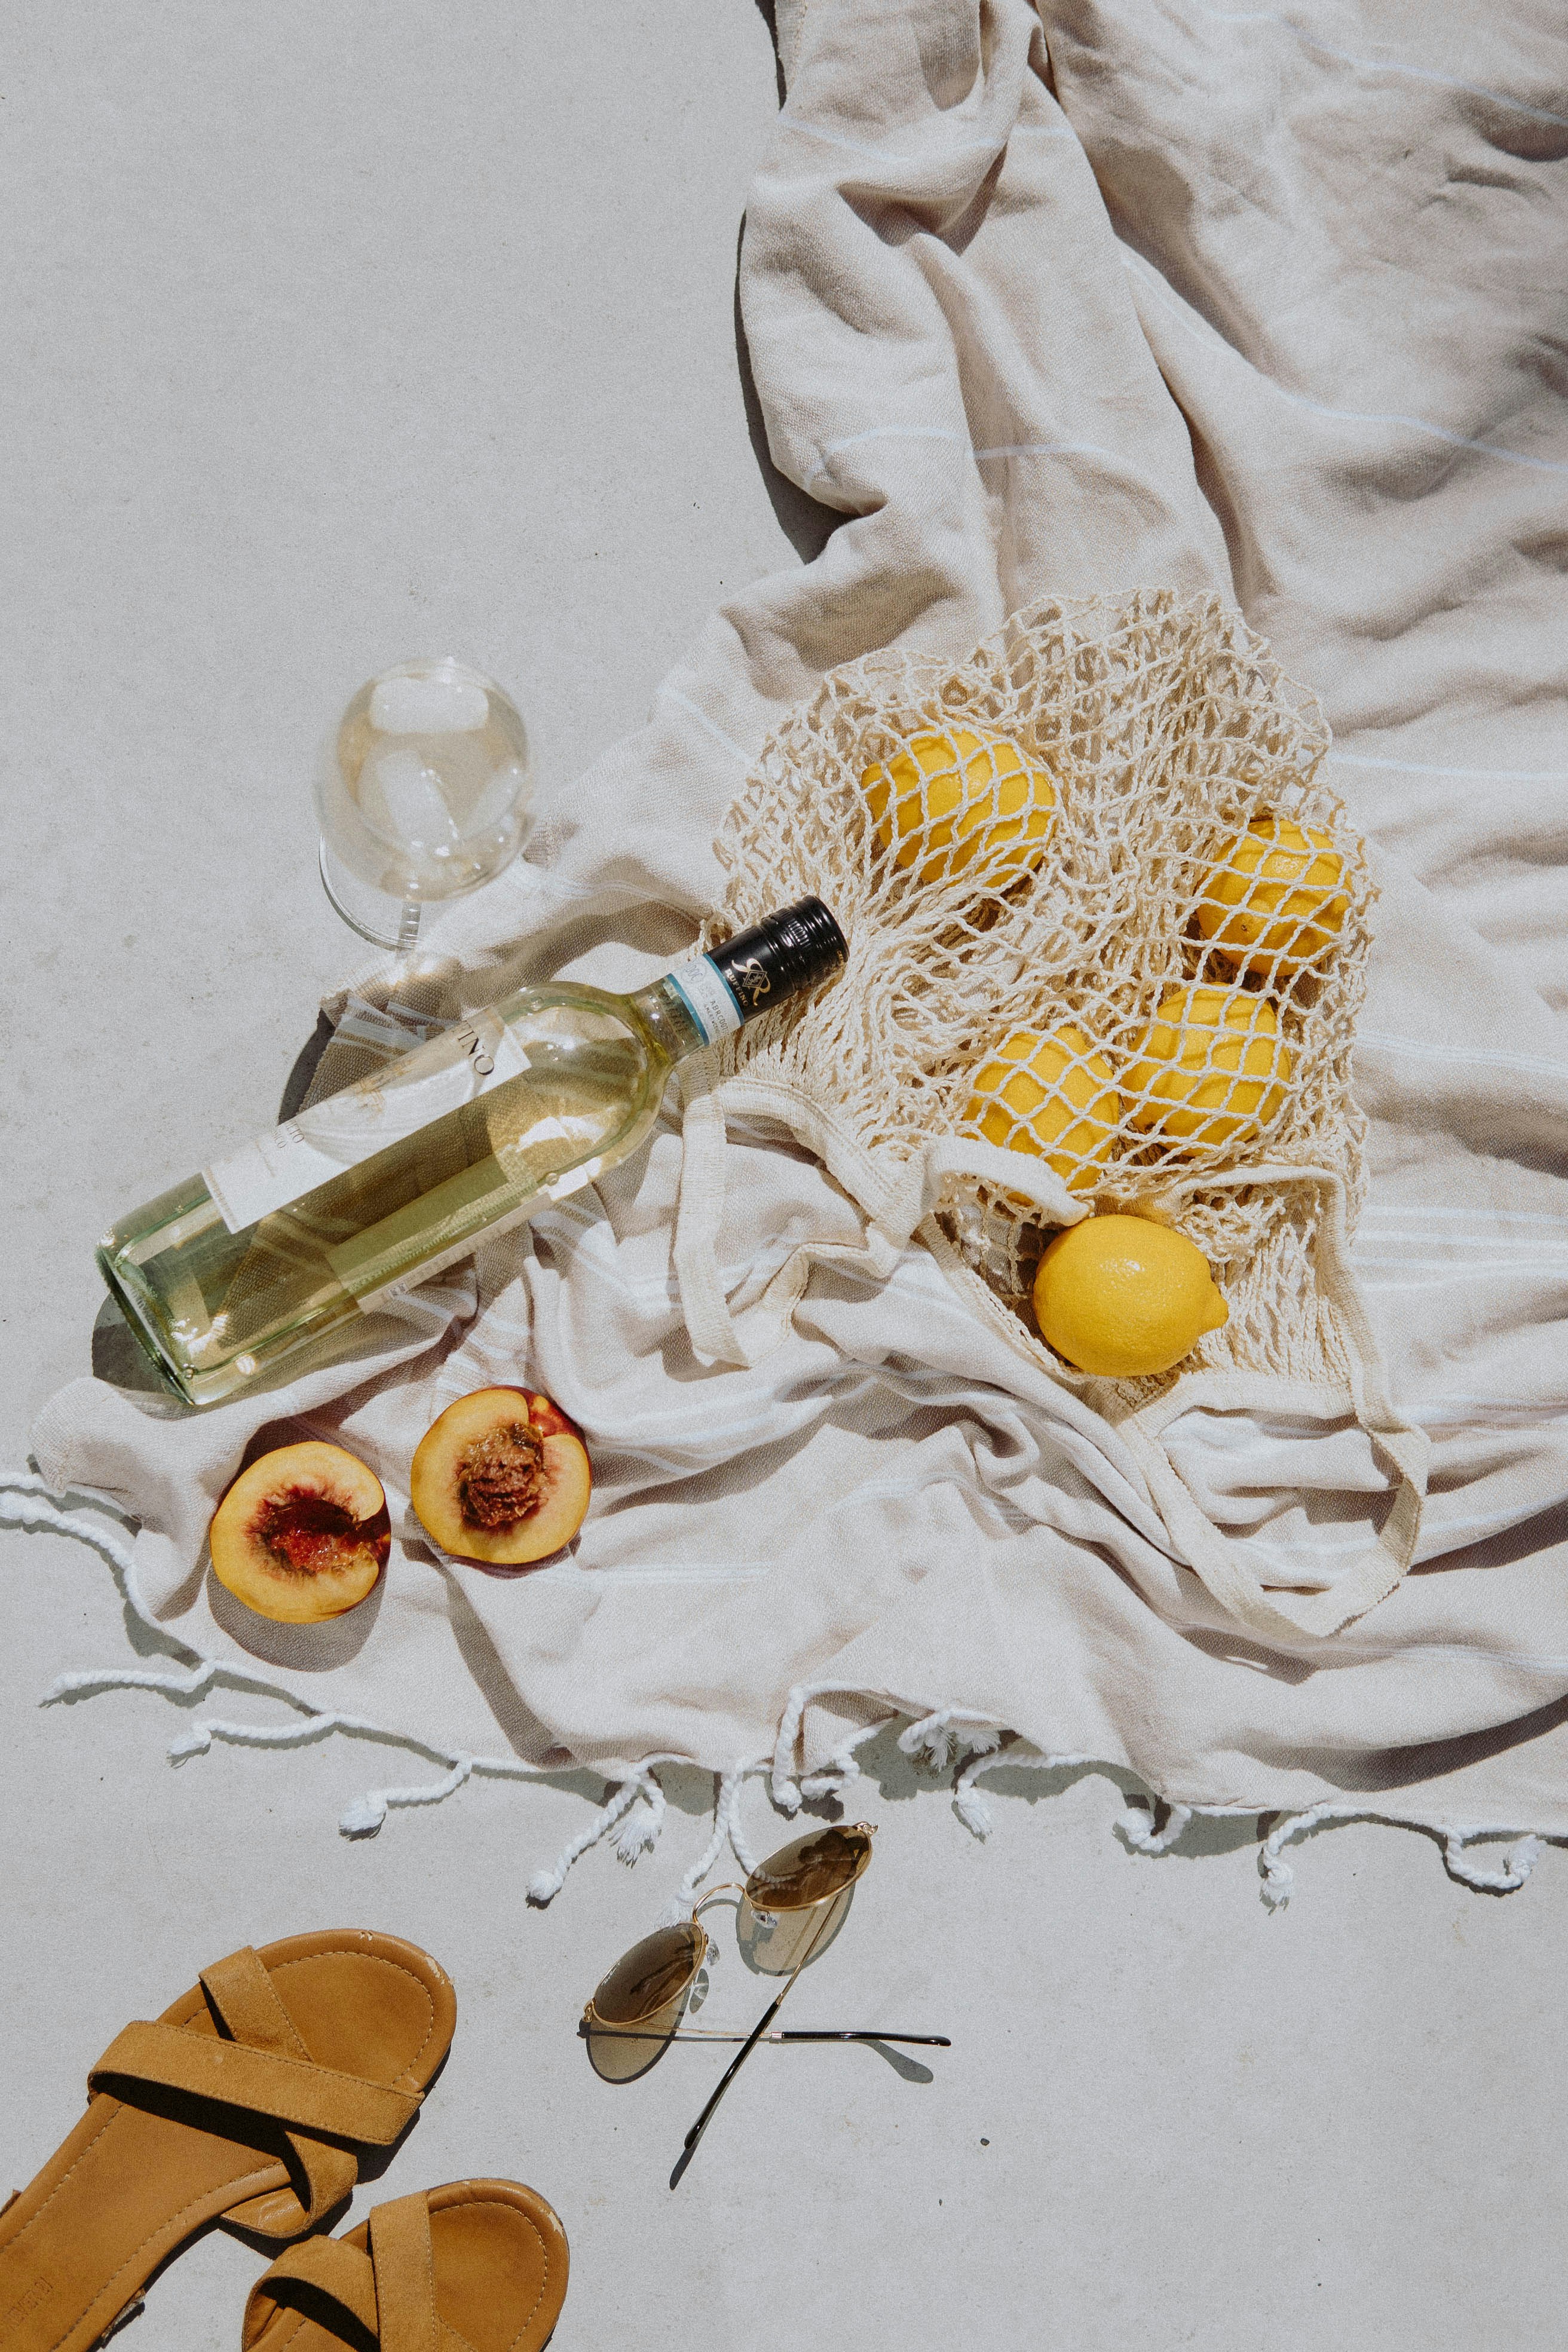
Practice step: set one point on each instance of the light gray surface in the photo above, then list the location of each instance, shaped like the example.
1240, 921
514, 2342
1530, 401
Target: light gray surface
346, 333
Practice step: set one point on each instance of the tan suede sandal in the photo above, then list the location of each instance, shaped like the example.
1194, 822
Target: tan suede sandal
245, 2102
475, 2267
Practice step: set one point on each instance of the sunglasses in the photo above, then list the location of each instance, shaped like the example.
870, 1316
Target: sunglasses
792, 1907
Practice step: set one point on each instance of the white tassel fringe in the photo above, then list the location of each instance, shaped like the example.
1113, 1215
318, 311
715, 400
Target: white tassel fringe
970, 1808
937, 1739
28, 1503
545, 1884
1136, 1827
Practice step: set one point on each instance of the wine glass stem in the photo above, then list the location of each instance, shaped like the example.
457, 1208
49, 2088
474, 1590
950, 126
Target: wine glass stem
408, 926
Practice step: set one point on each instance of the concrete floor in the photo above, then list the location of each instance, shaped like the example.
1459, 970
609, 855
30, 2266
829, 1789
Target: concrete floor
341, 332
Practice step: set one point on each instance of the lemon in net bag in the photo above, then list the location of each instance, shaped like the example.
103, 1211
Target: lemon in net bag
1277, 902
1052, 1095
1211, 1069
951, 796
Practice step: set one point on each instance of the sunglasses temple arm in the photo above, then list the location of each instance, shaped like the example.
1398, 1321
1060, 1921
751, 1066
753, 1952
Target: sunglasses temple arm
806, 2033
825, 2033
865, 2034
733, 2068
761, 2027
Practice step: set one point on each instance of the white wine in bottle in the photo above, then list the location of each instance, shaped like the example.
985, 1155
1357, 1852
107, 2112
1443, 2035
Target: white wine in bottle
272, 1251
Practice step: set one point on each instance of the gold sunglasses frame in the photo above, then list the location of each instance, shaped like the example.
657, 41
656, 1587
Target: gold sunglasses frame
646, 2028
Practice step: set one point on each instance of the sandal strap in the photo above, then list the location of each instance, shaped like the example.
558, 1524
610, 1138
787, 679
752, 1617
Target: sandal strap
267, 2070
390, 2292
263, 2082
241, 1990
333, 2269
404, 2264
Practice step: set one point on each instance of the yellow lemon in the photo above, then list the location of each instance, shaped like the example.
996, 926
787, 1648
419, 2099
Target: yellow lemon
1211, 1064
951, 797
1121, 1297
1277, 902
1052, 1095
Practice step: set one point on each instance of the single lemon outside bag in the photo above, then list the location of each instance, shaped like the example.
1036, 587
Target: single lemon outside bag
1052, 1095
1122, 1297
1210, 1066
955, 796
1277, 902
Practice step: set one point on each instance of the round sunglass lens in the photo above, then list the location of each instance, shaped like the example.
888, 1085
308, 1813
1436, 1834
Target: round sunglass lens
637, 2006
809, 1870
649, 1976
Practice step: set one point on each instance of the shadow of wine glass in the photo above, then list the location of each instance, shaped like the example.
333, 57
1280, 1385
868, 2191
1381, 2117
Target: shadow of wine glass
306, 1062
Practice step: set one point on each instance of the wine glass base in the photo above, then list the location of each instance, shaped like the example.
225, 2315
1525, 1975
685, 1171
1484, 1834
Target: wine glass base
369, 912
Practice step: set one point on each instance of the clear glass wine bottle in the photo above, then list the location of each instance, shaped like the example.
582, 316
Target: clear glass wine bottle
273, 1250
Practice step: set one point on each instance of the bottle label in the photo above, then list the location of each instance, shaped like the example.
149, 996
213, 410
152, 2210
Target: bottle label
309, 1149
389, 1029
708, 997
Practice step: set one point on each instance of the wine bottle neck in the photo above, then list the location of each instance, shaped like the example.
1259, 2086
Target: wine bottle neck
668, 1011
704, 1002
694, 1006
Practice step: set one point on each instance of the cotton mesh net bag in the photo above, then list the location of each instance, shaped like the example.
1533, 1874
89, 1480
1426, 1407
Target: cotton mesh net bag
1107, 933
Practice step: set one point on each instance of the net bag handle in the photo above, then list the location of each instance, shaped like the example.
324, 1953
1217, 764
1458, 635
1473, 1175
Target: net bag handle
896, 1202
1224, 1562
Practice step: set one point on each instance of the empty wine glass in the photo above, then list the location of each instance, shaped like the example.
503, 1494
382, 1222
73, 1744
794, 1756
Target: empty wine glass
423, 795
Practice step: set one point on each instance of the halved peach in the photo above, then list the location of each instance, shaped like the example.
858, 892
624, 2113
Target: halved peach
302, 1535
502, 1477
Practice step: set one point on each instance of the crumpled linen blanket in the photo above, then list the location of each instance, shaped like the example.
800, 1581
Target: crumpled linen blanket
1105, 295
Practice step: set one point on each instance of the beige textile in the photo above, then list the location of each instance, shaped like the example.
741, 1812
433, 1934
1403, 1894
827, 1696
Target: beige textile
1151, 297
1158, 731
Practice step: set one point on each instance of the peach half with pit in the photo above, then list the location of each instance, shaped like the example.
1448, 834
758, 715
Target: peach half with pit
302, 1534
502, 1478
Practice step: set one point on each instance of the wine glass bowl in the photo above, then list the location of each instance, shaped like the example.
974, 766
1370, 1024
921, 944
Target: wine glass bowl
423, 795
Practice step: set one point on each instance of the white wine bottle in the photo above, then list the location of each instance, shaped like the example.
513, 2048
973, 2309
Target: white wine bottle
273, 1250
